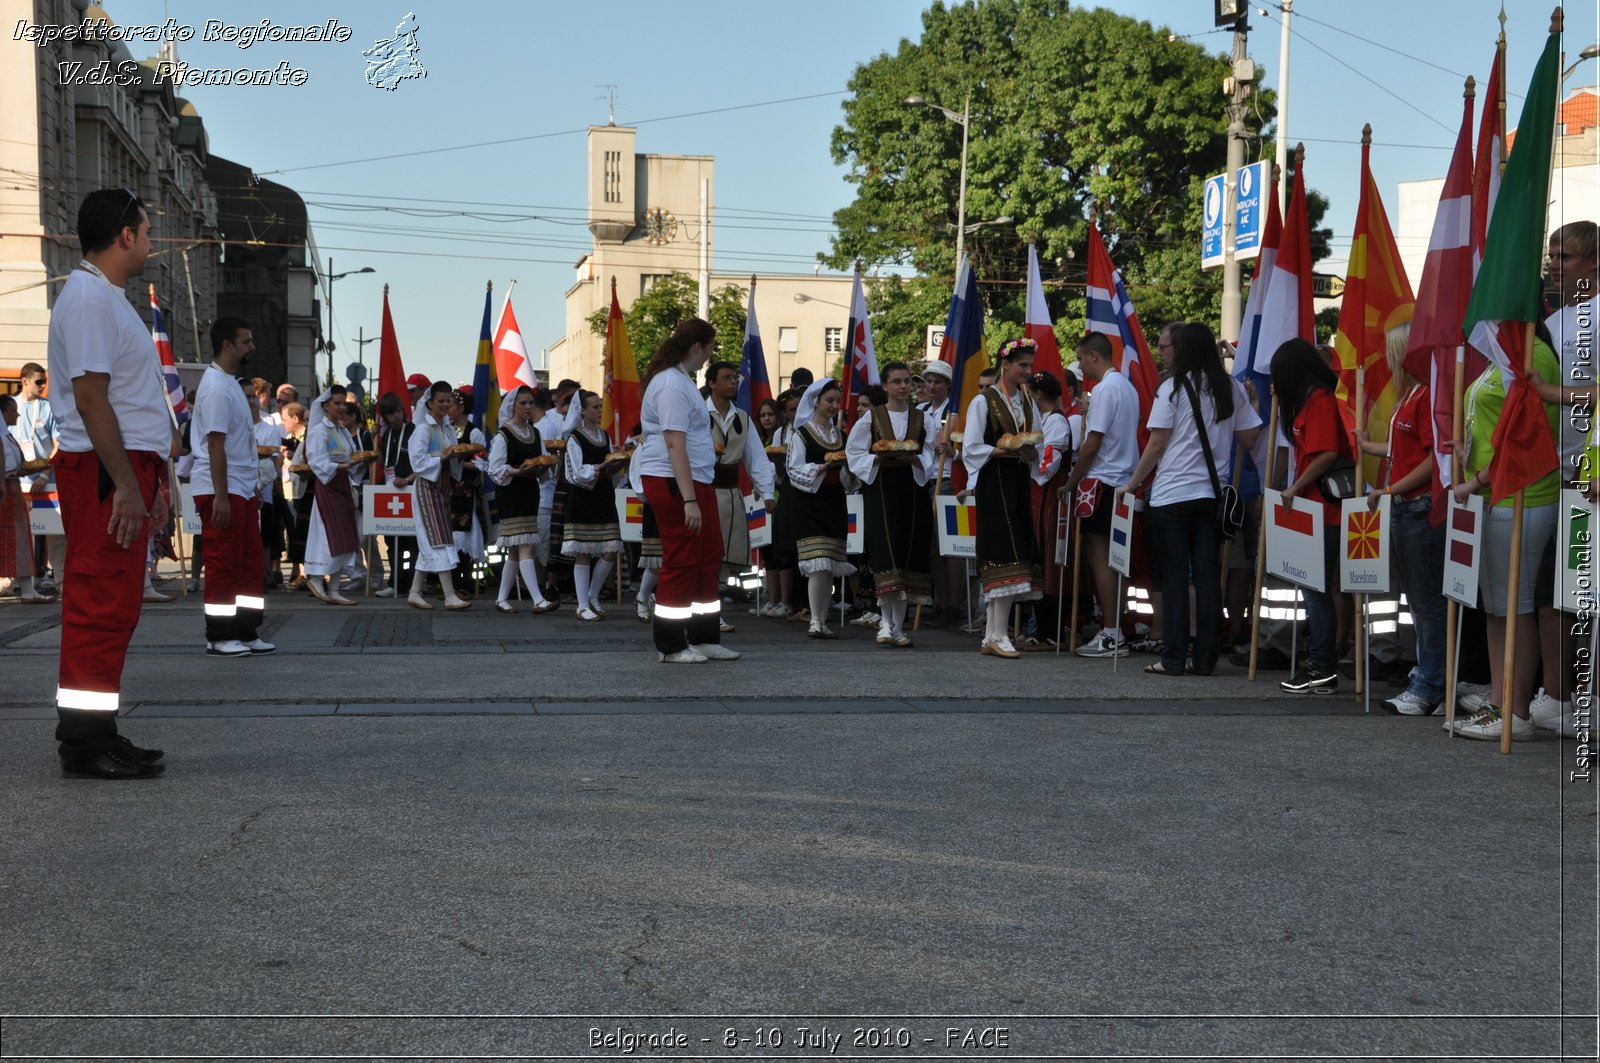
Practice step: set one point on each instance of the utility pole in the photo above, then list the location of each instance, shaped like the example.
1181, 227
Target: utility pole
704, 304
1239, 86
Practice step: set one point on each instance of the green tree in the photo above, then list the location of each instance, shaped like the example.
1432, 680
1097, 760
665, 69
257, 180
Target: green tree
672, 299
1072, 109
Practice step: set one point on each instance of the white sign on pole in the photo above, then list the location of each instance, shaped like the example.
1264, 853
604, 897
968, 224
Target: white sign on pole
855, 540
1463, 546
1120, 551
758, 521
1063, 533
389, 510
188, 515
1295, 541
1575, 587
44, 507
1249, 210
630, 514
958, 527
1364, 561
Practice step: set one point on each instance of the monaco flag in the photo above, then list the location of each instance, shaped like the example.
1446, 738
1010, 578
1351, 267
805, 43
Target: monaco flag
1036, 324
510, 354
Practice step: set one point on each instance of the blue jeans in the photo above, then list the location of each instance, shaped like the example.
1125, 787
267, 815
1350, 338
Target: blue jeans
1320, 614
1419, 569
1185, 538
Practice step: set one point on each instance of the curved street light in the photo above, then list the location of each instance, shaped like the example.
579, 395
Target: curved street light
328, 344
964, 120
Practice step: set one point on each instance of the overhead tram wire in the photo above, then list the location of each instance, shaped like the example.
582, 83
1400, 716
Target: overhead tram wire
546, 136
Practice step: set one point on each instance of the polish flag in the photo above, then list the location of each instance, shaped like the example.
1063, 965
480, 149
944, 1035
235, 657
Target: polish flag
1036, 323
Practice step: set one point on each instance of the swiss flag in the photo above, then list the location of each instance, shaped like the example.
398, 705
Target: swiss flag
395, 505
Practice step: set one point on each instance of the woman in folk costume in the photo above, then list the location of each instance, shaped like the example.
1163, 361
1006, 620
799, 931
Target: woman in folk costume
333, 546
16, 530
468, 510
1049, 473
590, 529
817, 480
518, 465
434, 468
778, 556
891, 451
1000, 445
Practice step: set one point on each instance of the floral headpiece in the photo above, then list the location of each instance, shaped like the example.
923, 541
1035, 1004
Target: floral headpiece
1016, 346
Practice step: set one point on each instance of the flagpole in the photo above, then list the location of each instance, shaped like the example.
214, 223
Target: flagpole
1261, 540
1452, 612
1363, 640
175, 508
1077, 577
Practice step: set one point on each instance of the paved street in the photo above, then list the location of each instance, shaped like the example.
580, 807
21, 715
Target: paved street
445, 816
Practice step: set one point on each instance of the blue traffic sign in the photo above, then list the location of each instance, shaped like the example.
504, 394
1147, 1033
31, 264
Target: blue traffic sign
1252, 185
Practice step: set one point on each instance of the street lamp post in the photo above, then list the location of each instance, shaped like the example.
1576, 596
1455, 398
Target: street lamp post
964, 120
332, 276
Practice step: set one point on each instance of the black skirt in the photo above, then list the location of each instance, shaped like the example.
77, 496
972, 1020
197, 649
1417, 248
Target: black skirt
1008, 560
899, 534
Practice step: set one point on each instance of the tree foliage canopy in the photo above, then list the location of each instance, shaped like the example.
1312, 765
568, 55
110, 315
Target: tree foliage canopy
1072, 109
671, 299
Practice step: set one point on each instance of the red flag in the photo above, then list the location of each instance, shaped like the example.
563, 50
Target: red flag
391, 373
621, 411
512, 368
1036, 324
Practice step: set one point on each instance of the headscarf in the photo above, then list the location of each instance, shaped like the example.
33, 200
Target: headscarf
808, 401
317, 414
574, 414
508, 408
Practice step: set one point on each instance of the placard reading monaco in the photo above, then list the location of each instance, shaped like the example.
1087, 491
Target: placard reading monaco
244, 35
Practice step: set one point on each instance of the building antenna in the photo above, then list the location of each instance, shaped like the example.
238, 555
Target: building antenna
611, 102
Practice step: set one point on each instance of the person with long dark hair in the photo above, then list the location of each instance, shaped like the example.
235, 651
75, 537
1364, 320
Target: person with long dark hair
1063, 434
675, 464
1305, 388
1199, 397
820, 515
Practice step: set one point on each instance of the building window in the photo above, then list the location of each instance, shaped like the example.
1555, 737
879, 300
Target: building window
788, 339
613, 177
833, 340
648, 281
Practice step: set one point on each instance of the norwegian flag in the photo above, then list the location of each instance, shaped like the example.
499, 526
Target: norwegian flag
860, 360
1111, 312
169, 365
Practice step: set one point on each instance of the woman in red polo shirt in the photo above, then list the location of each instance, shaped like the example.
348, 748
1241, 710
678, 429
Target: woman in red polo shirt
1304, 386
1418, 544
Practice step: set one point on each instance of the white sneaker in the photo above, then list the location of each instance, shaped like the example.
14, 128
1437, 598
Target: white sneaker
1472, 703
385, 591
1409, 704
688, 656
777, 611
1485, 726
227, 648
715, 651
1106, 644
1464, 690
1548, 714
260, 647
885, 634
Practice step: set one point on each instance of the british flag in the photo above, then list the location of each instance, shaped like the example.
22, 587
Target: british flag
169, 365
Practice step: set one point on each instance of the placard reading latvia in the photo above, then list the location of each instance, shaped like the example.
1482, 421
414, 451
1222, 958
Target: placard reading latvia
1294, 540
758, 521
855, 540
388, 510
958, 527
1364, 561
630, 515
1463, 545
1120, 554
1575, 588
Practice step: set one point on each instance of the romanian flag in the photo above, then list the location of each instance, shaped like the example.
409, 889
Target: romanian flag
962, 347
961, 520
169, 365
1506, 295
1363, 536
391, 373
620, 411
1377, 297
485, 396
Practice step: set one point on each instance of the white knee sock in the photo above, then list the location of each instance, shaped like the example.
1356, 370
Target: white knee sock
996, 620
896, 612
597, 581
819, 588
419, 580
580, 579
508, 580
530, 579
647, 585
447, 583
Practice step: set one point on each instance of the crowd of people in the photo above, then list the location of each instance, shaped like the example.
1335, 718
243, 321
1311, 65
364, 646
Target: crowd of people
278, 482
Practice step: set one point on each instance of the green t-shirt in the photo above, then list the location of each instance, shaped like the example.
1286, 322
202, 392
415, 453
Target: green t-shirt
1485, 397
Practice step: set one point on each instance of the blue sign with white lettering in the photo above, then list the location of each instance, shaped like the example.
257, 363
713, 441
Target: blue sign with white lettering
1211, 233
1252, 184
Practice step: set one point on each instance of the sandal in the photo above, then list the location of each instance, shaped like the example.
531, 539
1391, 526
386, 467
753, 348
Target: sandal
1156, 669
545, 606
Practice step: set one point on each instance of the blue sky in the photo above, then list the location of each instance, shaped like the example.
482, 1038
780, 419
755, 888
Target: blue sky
535, 68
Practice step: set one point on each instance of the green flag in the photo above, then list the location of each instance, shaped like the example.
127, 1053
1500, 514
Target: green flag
1507, 288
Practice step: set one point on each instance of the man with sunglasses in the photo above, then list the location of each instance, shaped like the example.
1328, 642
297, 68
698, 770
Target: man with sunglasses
114, 432
35, 433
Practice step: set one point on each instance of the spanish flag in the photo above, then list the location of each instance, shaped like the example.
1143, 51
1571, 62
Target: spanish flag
620, 411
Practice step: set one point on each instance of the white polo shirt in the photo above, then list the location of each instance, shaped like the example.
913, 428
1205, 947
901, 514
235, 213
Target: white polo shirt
94, 329
1114, 413
220, 406
672, 402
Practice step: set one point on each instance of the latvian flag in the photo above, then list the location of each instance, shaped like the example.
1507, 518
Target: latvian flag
1463, 537
169, 365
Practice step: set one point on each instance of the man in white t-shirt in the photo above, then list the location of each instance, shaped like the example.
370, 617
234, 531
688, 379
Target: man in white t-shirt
226, 481
114, 433
35, 433
1110, 451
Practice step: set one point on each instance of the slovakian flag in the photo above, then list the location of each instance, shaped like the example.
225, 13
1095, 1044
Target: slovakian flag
1377, 297
1436, 336
169, 365
754, 386
511, 364
1036, 324
1507, 289
391, 373
485, 396
962, 347
860, 359
621, 400
1111, 312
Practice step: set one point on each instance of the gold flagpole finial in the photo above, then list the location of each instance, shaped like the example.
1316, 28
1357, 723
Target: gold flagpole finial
1558, 20
1366, 135
1471, 89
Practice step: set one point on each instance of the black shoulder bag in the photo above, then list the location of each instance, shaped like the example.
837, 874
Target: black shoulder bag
1230, 511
